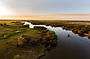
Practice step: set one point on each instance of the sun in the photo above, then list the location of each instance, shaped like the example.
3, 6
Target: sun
4, 11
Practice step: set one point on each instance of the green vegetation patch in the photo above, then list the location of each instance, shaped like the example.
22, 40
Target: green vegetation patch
10, 31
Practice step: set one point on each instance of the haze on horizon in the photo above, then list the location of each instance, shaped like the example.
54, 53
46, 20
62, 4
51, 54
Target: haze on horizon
46, 9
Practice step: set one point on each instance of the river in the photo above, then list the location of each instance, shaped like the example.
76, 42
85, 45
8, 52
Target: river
72, 47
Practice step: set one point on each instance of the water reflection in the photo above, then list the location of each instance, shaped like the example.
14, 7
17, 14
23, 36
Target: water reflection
72, 47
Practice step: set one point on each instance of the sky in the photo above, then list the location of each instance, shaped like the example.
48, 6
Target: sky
51, 8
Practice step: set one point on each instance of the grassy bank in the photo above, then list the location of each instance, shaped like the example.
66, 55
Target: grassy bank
79, 27
11, 31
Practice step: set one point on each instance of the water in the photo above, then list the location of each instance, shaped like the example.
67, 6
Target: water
73, 47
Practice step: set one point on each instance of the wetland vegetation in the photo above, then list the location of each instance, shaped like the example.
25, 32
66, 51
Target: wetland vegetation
81, 28
18, 41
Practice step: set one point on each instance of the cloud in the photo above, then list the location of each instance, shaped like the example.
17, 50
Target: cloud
46, 6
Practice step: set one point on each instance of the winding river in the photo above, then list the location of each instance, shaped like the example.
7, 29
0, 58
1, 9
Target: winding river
72, 47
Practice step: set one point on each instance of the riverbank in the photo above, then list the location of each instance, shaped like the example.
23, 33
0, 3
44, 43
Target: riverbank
81, 28
20, 42
70, 45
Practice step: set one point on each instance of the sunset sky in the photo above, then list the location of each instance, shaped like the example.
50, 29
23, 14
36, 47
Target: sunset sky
46, 9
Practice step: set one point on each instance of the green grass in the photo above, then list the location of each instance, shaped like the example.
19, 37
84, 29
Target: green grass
58, 21
8, 49
8, 41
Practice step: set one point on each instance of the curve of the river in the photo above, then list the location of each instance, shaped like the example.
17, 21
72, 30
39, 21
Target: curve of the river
73, 47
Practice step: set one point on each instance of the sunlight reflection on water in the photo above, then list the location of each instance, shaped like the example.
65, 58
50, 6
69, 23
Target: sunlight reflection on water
73, 47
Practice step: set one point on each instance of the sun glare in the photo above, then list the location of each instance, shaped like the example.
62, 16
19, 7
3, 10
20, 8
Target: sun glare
4, 11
